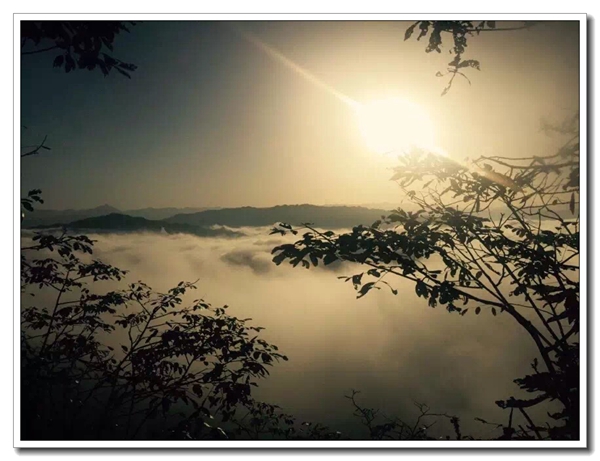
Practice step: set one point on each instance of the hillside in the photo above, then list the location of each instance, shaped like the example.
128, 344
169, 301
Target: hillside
117, 222
331, 217
41, 217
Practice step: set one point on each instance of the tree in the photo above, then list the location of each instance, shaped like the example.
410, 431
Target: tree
81, 378
128, 363
495, 234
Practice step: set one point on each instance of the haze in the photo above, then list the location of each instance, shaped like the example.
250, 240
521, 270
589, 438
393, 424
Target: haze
210, 119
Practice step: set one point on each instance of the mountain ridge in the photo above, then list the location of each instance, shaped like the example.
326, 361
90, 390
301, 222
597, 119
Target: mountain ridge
339, 216
50, 216
118, 222
321, 216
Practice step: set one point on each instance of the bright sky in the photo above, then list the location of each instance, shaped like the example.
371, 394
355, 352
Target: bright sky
212, 119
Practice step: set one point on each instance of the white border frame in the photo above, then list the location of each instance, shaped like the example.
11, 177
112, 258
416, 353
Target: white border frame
583, 93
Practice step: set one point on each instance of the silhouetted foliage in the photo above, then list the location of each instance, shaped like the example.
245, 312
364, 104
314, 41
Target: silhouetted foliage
129, 363
497, 234
80, 44
33, 196
383, 427
266, 421
102, 365
459, 32
34, 150
494, 232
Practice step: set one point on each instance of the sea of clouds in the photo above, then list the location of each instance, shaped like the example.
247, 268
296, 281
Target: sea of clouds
394, 349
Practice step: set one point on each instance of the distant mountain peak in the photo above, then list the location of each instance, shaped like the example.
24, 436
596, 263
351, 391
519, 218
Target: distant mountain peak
108, 208
326, 216
320, 215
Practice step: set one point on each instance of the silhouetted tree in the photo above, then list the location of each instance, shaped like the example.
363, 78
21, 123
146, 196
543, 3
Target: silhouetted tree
102, 365
108, 365
496, 234
381, 427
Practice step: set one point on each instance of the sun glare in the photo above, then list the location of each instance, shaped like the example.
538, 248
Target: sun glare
395, 125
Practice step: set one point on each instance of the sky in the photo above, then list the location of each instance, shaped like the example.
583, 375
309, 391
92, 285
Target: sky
211, 119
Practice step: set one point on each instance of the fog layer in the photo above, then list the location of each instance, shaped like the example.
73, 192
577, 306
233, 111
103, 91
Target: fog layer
394, 349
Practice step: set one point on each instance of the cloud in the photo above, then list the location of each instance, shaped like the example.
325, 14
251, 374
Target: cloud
395, 349
251, 259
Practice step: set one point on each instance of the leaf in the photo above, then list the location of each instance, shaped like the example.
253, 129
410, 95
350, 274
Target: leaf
394, 291
469, 63
278, 259
122, 72
494, 311
572, 306
58, 61
410, 31
69, 63
197, 389
421, 289
477, 310
365, 289
329, 258
152, 335
572, 203
356, 279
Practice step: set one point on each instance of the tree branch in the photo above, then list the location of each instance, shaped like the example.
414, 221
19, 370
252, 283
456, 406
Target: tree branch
41, 50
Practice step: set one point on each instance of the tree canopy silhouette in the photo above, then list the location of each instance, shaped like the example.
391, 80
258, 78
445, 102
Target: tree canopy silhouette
99, 364
459, 31
496, 234
76, 44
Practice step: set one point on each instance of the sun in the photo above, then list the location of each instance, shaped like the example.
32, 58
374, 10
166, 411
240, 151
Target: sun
395, 126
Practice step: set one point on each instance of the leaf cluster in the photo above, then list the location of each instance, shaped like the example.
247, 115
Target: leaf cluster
81, 44
459, 32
